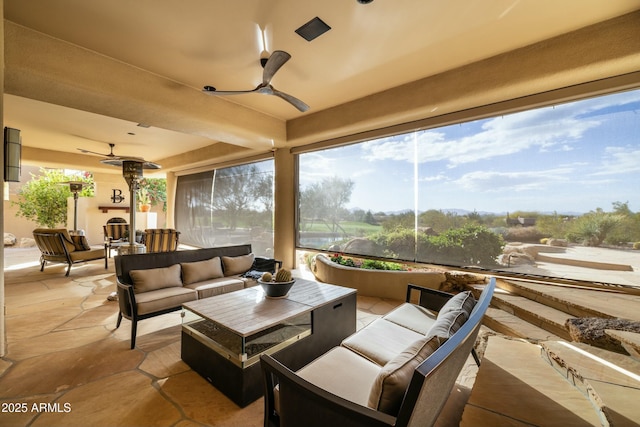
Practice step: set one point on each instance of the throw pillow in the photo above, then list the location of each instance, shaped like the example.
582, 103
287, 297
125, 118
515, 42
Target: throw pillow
237, 264
392, 381
80, 243
193, 272
156, 278
463, 301
447, 324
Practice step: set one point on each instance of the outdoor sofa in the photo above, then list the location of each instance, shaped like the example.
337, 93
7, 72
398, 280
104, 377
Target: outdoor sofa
151, 284
397, 371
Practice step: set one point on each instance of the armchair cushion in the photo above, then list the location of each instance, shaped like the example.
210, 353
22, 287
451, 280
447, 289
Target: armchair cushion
343, 373
80, 243
413, 317
193, 272
381, 341
463, 301
156, 278
237, 264
393, 379
447, 324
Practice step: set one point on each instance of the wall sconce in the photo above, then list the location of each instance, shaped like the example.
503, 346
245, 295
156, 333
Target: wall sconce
12, 152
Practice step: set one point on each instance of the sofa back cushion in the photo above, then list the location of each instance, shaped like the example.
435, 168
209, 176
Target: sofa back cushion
463, 301
156, 278
237, 264
392, 381
447, 324
193, 272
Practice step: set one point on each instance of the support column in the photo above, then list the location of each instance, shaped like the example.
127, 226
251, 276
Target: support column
285, 207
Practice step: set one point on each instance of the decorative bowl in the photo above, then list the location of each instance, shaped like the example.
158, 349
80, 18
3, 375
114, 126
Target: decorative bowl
276, 289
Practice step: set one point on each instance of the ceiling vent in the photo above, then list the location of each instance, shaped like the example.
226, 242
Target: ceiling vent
312, 29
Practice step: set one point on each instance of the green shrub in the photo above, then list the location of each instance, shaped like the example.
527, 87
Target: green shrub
44, 201
594, 228
469, 245
636, 245
523, 234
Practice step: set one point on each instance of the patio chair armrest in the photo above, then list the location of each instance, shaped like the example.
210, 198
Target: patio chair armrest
126, 299
304, 404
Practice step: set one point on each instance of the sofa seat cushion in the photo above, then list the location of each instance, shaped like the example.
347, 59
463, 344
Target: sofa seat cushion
163, 299
343, 373
198, 271
156, 278
412, 316
463, 301
393, 379
237, 264
213, 287
381, 341
87, 255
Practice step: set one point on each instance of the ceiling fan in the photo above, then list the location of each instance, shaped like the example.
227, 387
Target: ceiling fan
110, 155
271, 66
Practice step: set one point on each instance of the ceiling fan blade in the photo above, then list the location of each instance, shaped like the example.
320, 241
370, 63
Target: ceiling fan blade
290, 99
275, 61
82, 150
210, 90
111, 145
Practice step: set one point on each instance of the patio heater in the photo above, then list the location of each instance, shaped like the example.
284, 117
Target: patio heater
75, 187
132, 171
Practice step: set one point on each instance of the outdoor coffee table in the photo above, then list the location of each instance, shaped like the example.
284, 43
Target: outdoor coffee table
224, 336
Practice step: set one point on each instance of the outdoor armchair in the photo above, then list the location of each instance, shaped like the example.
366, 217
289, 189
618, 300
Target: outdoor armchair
57, 246
161, 239
114, 233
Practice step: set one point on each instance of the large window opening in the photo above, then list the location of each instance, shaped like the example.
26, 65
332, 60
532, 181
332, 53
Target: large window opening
227, 206
521, 193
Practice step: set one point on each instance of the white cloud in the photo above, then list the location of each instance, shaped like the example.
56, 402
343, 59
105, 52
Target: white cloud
492, 181
619, 160
555, 128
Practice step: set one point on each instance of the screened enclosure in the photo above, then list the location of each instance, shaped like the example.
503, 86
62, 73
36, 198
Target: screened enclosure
493, 193
227, 206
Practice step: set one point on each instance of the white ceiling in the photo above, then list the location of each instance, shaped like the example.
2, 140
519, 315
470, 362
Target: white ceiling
370, 48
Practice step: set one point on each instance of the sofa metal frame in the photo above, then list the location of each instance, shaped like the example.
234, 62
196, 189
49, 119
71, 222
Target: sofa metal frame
304, 404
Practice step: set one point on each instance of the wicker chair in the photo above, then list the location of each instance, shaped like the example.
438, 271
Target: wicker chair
57, 246
161, 239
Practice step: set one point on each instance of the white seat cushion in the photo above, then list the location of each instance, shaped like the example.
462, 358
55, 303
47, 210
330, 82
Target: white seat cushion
381, 341
412, 316
343, 373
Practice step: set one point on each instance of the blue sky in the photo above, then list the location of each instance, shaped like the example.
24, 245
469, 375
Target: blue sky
568, 158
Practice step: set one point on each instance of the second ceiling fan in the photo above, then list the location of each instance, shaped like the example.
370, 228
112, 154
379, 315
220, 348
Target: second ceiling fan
271, 66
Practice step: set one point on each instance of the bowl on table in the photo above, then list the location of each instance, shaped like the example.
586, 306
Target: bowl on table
276, 289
